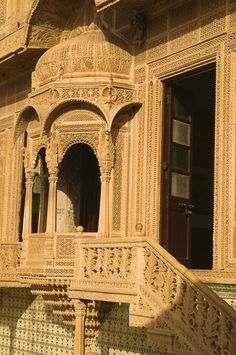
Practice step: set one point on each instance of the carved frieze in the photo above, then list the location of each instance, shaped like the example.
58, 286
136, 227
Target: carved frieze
109, 96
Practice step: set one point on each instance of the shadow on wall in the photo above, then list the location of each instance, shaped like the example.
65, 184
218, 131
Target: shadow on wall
27, 326
116, 337
190, 325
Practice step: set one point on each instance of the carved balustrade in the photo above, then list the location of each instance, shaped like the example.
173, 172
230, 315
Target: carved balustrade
33, 253
53, 257
164, 296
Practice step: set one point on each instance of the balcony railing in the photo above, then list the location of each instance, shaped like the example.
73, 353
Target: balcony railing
52, 256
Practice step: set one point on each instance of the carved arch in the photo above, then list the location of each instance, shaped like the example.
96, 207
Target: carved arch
131, 108
27, 115
79, 141
36, 151
68, 105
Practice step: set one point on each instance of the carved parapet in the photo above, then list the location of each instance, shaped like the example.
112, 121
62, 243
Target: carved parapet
49, 255
102, 267
32, 256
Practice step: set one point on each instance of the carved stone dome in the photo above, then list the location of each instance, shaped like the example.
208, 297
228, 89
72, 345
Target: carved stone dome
93, 53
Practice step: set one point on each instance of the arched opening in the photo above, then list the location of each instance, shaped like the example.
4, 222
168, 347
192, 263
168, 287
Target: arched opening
27, 117
78, 190
40, 195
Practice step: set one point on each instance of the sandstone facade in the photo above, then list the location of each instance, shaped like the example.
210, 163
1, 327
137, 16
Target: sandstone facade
117, 177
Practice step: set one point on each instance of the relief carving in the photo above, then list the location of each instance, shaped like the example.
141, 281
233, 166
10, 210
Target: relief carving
9, 257
168, 296
114, 263
138, 24
108, 96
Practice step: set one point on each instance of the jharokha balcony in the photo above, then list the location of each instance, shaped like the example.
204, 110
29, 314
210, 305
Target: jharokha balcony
53, 211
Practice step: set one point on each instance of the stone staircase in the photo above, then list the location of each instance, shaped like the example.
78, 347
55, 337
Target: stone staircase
181, 314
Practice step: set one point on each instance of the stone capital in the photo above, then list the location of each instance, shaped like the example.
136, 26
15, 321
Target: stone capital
80, 308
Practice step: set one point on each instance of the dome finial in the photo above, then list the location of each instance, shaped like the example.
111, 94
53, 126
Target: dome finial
93, 26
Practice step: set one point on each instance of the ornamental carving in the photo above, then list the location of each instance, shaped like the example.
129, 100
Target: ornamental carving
89, 52
9, 257
167, 297
138, 29
109, 96
113, 263
68, 139
52, 152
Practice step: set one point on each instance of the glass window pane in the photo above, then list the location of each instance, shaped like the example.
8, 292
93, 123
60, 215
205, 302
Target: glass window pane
179, 110
181, 132
180, 185
180, 158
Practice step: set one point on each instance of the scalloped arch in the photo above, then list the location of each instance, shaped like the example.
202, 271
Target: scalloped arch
79, 141
36, 152
131, 107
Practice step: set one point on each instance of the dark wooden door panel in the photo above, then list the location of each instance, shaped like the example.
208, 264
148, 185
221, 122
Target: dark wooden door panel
176, 177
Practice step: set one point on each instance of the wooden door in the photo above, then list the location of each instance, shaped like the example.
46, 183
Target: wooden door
176, 174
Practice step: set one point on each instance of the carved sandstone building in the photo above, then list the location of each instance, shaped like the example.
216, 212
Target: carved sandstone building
117, 177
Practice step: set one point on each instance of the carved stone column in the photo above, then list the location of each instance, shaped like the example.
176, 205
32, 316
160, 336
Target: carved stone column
43, 204
106, 162
52, 164
52, 200
51, 217
104, 211
80, 312
27, 220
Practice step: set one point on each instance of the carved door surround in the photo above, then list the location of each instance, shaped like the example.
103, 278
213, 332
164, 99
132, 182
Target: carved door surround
165, 69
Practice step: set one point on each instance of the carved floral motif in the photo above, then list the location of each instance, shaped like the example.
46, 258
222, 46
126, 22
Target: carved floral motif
108, 262
109, 96
169, 298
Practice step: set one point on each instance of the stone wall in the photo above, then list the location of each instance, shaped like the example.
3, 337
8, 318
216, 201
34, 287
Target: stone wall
27, 326
115, 337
